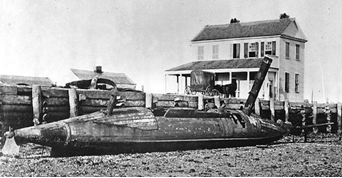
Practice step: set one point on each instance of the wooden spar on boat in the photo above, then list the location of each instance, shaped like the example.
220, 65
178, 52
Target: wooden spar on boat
127, 130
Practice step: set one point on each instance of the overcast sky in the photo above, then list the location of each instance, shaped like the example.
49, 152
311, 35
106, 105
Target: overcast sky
143, 38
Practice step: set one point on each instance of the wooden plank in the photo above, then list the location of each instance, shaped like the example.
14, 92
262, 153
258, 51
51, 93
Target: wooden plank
257, 107
58, 109
217, 101
287, 110
15, 100
272, 109
234, 106
15, 108
8, 90
90, 109
168, 104
135, 103
95, 94
129, 95
234, 101
111, 104
56, 93
57, 101
94, 102
149, 100
279, 105
56, 116
314, 116
73, 102
200, 102
37, 103
171, 97
339, 119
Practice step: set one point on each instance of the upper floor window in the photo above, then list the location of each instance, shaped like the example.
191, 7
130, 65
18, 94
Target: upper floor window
253, 49
215, 51
268, 47
287, 82
297, 83
236, 50
297, 52
287, 50
200, 52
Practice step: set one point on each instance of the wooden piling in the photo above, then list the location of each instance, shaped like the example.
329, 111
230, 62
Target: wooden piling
314, 117
257, 107
339, 119
111, 104
73, 102
148, 100
200, 102
217, 101
272, 109
328, 114
286, 108
36, 103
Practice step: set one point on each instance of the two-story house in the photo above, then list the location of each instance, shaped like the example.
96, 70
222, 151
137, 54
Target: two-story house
234, 52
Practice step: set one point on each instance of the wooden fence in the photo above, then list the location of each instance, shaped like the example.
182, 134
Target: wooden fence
20, 106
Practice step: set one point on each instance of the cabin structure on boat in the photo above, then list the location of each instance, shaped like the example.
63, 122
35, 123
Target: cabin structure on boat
24, 80
233, 52
120, 79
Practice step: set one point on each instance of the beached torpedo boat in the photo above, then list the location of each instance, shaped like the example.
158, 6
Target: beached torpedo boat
135, 129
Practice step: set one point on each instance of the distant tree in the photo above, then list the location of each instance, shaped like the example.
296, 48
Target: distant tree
234, 20
284, 16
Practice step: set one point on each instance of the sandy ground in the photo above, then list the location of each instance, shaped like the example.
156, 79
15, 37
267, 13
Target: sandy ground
320, 157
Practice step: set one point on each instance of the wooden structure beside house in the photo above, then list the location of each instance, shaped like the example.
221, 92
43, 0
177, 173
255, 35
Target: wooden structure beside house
234, 52
120, 79
24, 80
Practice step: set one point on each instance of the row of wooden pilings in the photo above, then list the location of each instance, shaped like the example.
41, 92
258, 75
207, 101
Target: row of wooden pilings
257, 109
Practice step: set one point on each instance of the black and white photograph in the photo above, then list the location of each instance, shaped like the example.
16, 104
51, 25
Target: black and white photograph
170, 88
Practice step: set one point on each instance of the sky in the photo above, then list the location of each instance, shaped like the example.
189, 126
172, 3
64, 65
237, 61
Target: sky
143, 38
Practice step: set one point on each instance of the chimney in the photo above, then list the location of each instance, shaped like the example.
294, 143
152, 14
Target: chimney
98, 69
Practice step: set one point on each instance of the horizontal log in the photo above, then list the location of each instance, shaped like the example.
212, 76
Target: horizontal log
135, 103
94, 102
56, 93
15, 108
300, 105
94, 94
15, 100
171, 97
130, 95
172, 103
16, 115
90, 109
234, 101
234, 106
8, 90
57, 101
58, 109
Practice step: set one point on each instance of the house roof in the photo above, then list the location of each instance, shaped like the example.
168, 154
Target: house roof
118, 78
219, 64
28, 80
247, 29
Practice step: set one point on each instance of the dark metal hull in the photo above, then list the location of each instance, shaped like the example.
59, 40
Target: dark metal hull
160, 146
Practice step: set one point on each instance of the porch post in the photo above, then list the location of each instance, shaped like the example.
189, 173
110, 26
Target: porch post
177, 84
165, 83
181, 84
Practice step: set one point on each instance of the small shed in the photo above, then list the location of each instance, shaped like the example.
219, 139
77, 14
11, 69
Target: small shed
24, 80
120, 79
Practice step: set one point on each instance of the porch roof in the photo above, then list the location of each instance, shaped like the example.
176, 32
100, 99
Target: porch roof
219, 64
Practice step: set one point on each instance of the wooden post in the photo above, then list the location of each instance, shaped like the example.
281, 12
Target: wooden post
111, 104
200, 102
36, 103
339, 119
314, 118
328, 113
303, 124
217, 101
73, 102
257, 107
286, 108
272, 108
148, 100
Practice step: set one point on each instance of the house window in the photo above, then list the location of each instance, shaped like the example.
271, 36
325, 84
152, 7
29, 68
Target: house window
200, 52
287, 50
297, 52
297, 83
253, 49
287, 82
236, 50
215, 51
268, 47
